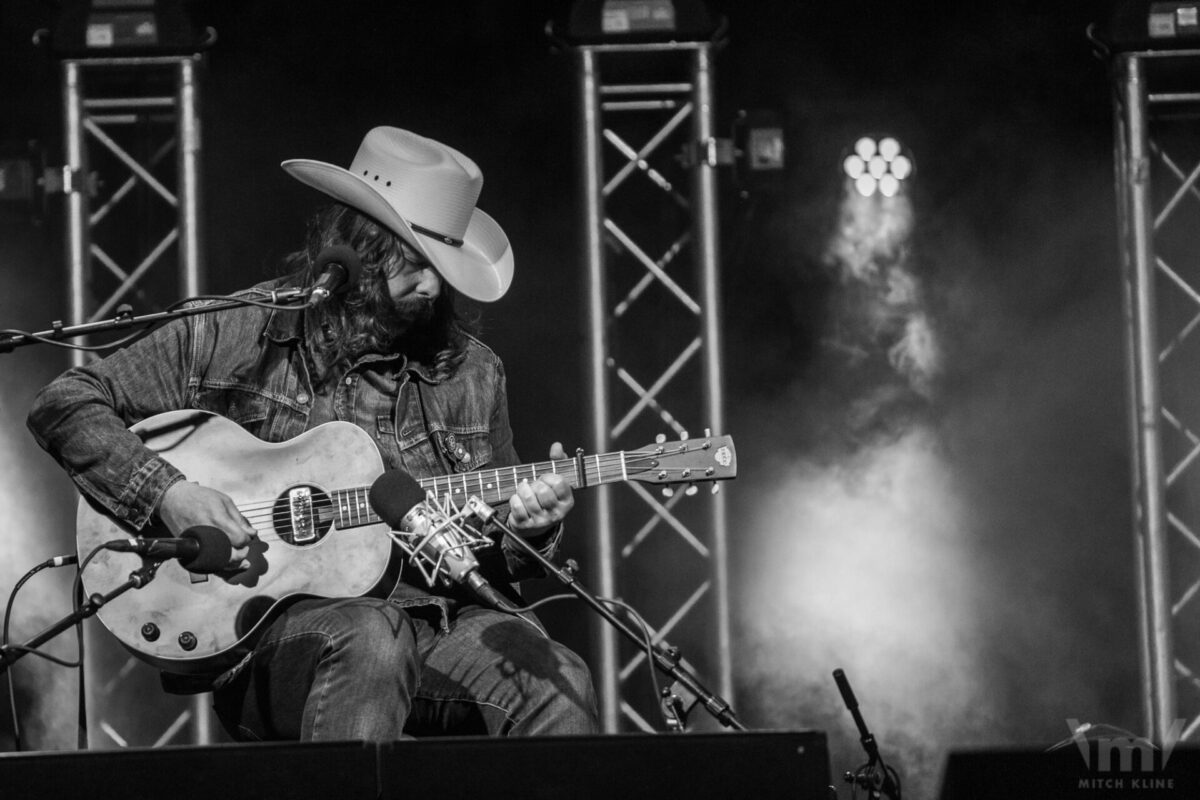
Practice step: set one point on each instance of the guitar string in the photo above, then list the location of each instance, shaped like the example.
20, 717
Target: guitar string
503, 477
501, 487
262, 512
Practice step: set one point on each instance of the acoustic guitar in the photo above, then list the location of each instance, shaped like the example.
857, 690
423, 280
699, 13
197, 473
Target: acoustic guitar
317, 534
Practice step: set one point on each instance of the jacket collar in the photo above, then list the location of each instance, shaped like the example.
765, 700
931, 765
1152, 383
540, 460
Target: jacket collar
286, 327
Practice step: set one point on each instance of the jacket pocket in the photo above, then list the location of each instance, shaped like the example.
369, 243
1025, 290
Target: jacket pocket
464, 451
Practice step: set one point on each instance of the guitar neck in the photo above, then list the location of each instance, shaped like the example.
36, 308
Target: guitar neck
492, 486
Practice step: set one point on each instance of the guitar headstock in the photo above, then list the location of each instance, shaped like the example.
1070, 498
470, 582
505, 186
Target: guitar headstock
689, 461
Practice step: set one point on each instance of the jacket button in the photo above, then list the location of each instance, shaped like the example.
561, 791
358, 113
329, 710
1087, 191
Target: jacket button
302, 398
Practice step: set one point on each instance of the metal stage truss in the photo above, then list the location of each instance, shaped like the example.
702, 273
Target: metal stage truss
654, 353
1157, 133
131, 184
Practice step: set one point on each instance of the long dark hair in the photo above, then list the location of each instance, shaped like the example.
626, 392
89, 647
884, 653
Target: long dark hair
364, 320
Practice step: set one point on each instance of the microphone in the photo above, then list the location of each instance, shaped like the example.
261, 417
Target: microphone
337, 268
437, 540
202, 549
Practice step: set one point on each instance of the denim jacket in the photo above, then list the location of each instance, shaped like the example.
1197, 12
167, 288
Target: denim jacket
252, 365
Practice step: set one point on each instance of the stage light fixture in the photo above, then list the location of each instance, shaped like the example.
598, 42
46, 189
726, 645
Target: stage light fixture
1149, 25
878, 165
122, 28
637, 21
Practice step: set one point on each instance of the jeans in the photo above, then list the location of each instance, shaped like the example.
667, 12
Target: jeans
368, 669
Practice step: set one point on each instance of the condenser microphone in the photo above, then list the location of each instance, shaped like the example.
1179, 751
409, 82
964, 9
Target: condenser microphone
430, 535
200, 549
337, 268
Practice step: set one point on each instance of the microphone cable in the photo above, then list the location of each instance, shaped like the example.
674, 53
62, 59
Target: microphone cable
642, 626
76, 604
57, 561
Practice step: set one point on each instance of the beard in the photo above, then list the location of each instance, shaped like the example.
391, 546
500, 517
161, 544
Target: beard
412, 312
375, 323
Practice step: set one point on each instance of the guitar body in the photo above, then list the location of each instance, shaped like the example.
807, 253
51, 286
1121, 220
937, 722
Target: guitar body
190, 623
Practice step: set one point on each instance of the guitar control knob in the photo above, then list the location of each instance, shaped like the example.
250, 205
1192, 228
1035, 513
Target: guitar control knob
187, 640
150, 632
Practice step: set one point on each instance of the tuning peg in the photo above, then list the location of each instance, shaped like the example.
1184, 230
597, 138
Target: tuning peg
668, 491
708, 433
714, 488
683, 436
662, 437
691, 489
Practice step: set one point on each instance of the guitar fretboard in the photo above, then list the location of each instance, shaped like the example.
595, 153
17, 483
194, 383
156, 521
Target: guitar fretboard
493, 486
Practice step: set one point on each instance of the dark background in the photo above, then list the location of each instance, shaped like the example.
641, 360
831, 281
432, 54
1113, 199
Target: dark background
963, 551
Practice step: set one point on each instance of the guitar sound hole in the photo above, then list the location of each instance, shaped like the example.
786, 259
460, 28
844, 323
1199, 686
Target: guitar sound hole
303, 515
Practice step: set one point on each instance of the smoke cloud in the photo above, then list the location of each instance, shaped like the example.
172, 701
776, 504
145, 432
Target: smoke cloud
940, 503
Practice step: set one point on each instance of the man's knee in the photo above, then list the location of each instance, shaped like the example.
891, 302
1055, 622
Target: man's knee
574, 671
368, 630
564, 700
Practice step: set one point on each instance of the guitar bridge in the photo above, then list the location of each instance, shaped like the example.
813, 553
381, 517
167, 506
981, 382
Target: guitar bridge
300, 508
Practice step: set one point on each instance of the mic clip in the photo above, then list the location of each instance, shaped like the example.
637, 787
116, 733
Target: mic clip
289, 295
440, 540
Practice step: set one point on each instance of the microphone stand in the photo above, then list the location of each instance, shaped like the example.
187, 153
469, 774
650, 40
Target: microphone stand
876, 777
684, 693
137, 579
126, 319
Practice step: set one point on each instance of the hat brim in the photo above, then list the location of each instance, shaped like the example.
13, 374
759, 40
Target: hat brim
482, 268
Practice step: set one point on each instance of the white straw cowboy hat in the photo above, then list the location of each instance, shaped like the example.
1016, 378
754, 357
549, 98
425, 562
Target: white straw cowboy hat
424, 192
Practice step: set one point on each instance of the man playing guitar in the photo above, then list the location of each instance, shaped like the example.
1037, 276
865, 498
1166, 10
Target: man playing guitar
391, 359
